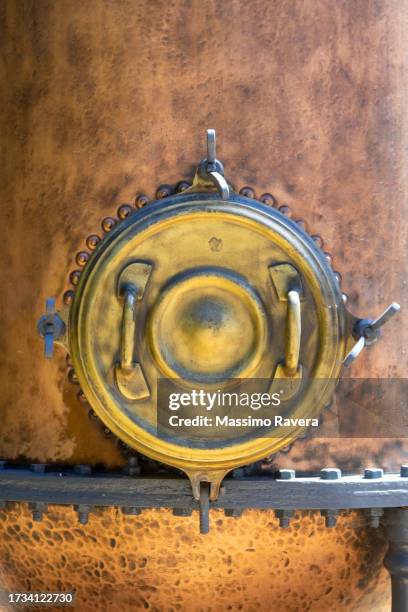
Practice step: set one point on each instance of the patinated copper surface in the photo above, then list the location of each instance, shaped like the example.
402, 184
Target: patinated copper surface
103, 104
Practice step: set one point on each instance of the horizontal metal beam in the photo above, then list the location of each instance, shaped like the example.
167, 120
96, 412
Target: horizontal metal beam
69, 488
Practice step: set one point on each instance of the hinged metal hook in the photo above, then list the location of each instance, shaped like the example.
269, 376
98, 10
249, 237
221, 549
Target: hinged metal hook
211, 170
367, 331
51, 327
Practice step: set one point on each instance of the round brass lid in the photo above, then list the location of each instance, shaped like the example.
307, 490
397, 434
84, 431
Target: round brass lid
208, 325
205, 291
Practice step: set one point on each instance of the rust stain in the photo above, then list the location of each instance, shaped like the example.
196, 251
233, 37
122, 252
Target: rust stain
308, 100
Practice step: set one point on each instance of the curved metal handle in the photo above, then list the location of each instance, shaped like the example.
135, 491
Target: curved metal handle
288, 286
385, 316
128, 329
293, 333
367, 331
129, 376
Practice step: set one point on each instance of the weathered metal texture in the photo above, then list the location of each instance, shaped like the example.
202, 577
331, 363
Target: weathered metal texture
156, 561
100, 105
329, 491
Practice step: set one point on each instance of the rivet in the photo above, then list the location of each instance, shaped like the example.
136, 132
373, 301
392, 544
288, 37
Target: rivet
107, 432
108, 223
404, 471
373, 473
163, 192
284, 517
268, 199
337, 276
330, 517
92, 242
301, 223
72, 377
247, 192
182, 186
82, 257
68, 297
318, 240
74, 277
330, 474
124, 211
286, 474
285, 210
81, 397
92, 415
344, 297
141, 201
328, 257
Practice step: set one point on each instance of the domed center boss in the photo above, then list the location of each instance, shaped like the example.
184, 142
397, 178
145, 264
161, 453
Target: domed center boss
203, 295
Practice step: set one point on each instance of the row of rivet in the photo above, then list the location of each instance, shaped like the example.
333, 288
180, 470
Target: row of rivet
81, 397
284, 516
92, 241
373, 514
269, 200
335, 473
164, 191
38, 509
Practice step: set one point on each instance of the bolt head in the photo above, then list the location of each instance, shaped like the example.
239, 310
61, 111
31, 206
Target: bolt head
287, 474
330, 474
182, 512
372, 473
131, 511
232, 512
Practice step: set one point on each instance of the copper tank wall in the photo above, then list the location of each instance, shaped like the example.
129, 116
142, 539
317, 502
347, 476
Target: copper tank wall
106, 100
